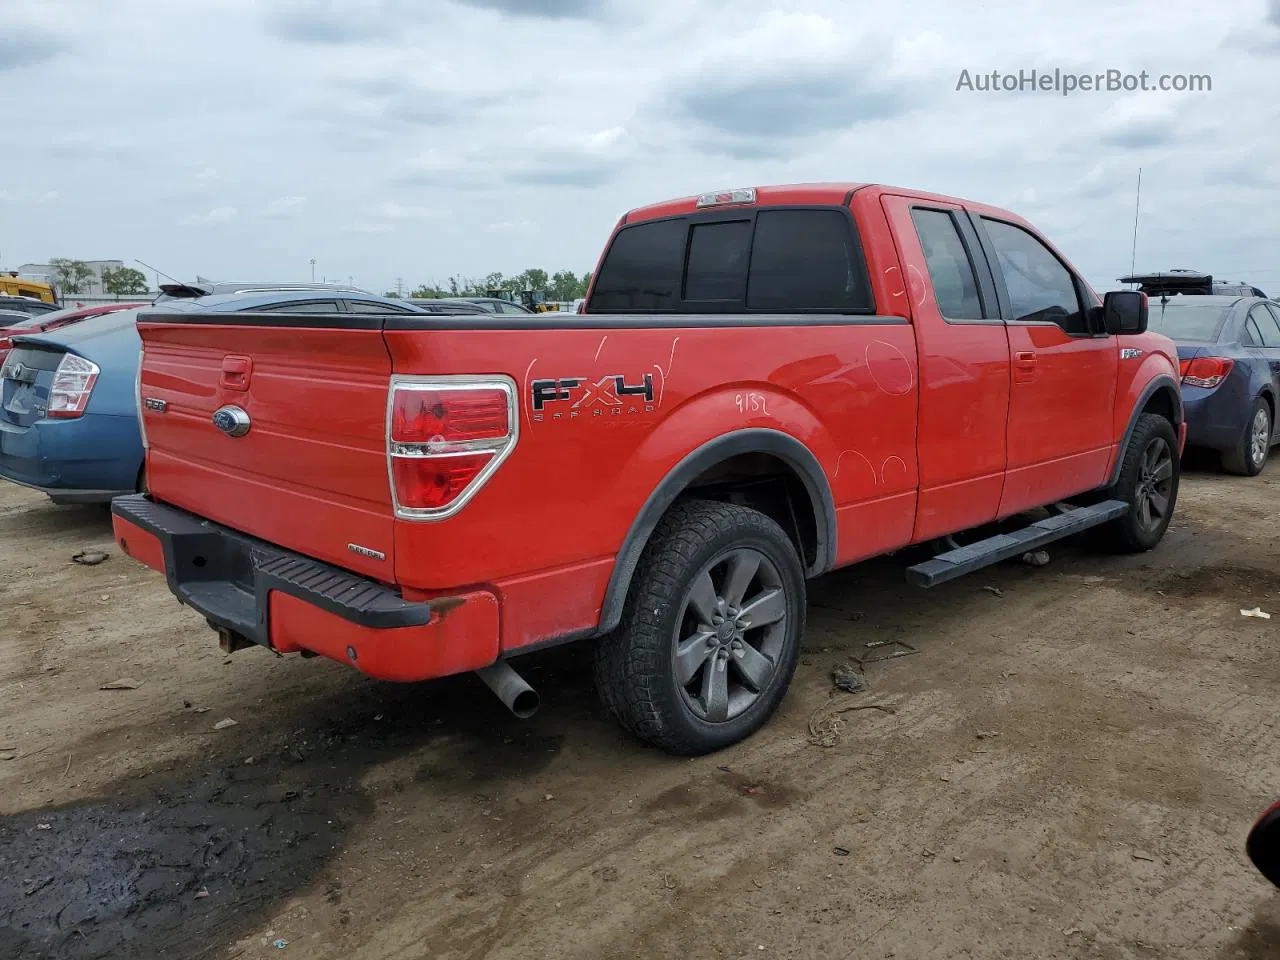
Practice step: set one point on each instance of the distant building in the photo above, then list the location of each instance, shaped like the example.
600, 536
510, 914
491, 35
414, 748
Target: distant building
92, 287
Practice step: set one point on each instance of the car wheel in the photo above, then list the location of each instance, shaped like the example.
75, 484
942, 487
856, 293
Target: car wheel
1249, 456
1148, 482
710, 631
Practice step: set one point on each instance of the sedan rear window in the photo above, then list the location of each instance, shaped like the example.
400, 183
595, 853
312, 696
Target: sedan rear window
1179, 319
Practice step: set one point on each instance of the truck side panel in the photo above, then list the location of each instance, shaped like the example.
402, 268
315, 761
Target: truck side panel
604, 422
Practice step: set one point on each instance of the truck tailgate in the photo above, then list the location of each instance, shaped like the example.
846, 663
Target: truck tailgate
310, 472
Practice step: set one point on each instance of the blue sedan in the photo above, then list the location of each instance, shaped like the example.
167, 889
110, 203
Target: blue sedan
68, 410
1230, 353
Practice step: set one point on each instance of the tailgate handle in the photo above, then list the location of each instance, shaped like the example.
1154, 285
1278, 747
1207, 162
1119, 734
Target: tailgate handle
236, 372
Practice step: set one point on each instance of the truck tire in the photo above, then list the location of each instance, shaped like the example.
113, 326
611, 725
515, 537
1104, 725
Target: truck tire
1148, 482
1249, 456
710, 631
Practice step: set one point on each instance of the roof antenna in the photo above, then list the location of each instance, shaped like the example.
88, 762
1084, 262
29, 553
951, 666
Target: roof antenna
1136, 202
159, 273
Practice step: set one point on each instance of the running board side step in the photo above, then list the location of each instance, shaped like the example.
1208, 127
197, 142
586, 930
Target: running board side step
984, 553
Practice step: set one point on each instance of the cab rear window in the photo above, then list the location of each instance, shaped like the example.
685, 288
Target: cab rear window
773, 260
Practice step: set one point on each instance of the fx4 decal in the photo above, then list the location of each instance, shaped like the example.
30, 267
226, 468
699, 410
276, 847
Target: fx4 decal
567, 398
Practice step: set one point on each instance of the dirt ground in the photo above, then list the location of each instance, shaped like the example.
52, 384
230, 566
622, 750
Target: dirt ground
1067, 768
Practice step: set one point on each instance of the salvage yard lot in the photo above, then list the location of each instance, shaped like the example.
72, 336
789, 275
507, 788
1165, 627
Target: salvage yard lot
1065, 768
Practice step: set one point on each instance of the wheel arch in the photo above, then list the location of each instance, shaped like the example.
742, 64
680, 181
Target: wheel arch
796, 458
1160, 396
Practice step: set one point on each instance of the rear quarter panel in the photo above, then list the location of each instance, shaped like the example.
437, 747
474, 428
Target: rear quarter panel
547, 526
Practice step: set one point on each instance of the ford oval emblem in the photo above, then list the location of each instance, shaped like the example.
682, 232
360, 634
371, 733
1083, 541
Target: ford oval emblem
232, 421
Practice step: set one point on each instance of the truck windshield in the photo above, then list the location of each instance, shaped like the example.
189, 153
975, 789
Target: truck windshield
1180, 319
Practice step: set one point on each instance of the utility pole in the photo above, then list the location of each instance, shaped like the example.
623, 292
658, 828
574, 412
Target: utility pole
313, 269
399, 286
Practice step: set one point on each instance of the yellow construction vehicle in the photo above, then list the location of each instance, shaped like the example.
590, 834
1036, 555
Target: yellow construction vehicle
14, 285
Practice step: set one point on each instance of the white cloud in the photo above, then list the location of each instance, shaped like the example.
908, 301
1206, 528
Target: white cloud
395, 211
284, 208
208, 173
50, 196
216, 215
455, 158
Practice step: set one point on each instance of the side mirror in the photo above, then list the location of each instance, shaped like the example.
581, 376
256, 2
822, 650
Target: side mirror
1124, 312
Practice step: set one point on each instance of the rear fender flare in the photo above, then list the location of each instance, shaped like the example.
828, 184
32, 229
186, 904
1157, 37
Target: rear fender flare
781, 445
1160, 382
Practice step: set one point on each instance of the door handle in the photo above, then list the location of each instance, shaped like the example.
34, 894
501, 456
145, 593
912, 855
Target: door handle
1024, 365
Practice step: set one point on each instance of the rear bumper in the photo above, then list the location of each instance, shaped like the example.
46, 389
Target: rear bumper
1216, 418
89, 459
291, 603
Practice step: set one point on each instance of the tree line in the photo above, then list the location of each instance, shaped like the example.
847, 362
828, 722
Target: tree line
71, 277
563, 285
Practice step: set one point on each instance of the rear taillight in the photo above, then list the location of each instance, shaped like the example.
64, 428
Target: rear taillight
445, 439
1205, 371
73, 382
5, 346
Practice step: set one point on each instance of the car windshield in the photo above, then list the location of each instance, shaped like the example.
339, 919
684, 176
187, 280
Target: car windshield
1180, 319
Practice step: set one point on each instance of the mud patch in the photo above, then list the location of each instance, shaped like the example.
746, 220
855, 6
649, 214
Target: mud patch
166, 876
1243, 584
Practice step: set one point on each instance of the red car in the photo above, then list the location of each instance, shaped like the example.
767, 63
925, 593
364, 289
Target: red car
52, 321
765, 384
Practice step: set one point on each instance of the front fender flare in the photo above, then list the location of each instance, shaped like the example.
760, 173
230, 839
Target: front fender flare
1159, 382
782, 445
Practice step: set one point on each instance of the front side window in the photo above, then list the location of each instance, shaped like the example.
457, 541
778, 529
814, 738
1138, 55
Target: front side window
1040, 287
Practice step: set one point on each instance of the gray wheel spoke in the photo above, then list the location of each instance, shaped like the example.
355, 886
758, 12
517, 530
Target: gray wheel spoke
690, 655
1164, 471
703, 599
1144, 510
715, 690
1159, 503
742, 570
765, 608
753, 666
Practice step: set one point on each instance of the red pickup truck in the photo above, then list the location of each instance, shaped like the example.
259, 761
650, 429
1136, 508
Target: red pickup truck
765, 384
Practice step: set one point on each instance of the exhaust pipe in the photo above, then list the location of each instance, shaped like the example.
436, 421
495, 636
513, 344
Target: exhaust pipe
509, 687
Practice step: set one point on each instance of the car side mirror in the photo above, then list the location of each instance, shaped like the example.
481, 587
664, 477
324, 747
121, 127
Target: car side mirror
1124, 312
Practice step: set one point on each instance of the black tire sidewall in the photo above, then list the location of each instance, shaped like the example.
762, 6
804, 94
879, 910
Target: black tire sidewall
685, 728
1150, 426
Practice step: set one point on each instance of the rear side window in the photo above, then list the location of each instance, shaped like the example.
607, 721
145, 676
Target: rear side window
718, 255
372, 306
643, 268
312, 306
955, 286
1266, 325
769, 261
806, 260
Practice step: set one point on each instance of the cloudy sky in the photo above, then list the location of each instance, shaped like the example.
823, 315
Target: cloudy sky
417, 139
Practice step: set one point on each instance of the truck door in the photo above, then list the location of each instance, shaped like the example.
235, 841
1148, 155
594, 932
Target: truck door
963, 354
1061, 413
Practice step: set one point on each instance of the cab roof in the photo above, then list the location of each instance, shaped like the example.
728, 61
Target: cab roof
835, 193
